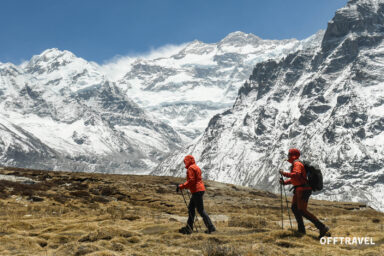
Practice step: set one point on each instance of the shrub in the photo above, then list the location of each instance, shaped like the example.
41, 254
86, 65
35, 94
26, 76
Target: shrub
212, 249
130, 217
107, 191
248, 221
80, 193
100, 199
60, 198
79, 186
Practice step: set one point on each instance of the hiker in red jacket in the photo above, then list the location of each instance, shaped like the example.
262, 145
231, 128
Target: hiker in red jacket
302, 192
195, 184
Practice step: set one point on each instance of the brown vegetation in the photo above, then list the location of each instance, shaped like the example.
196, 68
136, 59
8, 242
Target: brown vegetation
97, 214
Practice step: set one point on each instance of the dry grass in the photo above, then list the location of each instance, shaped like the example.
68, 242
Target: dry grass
96, 214
214, 249
249, 221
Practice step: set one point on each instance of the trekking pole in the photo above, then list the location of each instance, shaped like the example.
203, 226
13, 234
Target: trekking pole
196, 218
286, 200
185, 201
281, 198
281, 206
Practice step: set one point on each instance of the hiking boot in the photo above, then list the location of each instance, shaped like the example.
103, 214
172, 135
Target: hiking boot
299, 233
185, 230
210, 230
323, 231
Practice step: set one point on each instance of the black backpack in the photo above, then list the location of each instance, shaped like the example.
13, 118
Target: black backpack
314, 176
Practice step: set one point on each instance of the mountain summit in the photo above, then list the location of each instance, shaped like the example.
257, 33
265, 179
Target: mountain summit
239, 38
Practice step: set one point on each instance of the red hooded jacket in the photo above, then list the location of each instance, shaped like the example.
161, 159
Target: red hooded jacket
194, 181
298, 175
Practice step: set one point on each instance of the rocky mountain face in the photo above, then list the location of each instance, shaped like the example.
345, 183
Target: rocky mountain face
59, 112
326, 100
187, 88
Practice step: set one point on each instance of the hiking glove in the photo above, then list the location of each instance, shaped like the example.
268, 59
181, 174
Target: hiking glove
281, 181
177, 188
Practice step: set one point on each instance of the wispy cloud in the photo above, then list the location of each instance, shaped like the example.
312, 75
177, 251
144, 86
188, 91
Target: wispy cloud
116, 67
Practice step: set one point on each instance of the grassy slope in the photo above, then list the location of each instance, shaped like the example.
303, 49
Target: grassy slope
96, 214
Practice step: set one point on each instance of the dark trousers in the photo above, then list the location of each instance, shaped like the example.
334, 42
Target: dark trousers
197, 202
299, 209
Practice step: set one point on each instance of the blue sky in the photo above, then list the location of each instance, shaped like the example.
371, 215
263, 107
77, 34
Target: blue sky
99, 30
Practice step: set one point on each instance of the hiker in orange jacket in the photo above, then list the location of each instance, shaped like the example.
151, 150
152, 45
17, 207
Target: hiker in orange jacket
302, 192
195, 184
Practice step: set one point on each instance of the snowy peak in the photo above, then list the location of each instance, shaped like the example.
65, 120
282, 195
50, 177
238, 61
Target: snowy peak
239, 38
8, 69
313, 41
195, 48
60, 70
355, 28
357, 17
55, 53
50, 60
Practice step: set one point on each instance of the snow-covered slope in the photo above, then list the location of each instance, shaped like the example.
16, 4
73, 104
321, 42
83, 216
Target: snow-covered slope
189, 86
327, 101
59, 112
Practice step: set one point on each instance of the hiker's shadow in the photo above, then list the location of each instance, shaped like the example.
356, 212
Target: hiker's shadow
295, 233
314, 237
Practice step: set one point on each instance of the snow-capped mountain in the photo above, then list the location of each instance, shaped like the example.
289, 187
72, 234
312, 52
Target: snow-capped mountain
186, 88
59, 112
328, 101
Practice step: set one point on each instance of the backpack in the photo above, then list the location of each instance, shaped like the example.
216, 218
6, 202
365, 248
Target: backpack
314, 176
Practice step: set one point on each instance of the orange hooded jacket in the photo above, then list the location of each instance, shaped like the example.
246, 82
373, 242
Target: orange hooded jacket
298, 174
194, 181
